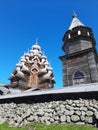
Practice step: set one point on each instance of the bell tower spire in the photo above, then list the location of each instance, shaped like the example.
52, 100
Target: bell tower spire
75, 22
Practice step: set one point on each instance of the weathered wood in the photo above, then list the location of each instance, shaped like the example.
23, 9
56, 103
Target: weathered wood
32, 71
80, 55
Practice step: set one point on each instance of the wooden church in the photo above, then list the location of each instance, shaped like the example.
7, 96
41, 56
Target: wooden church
80, 62
32, 72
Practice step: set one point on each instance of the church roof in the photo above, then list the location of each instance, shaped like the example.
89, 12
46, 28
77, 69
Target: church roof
75, 22
4, 90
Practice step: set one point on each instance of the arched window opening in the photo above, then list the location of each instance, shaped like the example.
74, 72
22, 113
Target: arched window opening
78, 78
79, 32
88, 33
69, 36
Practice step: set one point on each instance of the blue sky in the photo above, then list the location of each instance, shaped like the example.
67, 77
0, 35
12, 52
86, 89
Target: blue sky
22, 21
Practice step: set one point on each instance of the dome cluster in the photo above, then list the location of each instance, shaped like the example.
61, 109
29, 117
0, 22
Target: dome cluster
33, 70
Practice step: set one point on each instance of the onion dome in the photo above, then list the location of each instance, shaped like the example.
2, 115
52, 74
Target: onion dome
40, 52
46, 63
53, 78
49, 68
24, 68
23, 59
36, 46
50, 72
12, 75
47, 76
31, 51
26, 54
36, 55
27, 58
43, 57
41, 63
18, 65
18, 68
20, 74
35, 52
43, 71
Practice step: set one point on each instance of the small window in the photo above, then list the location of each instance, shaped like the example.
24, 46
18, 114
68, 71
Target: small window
78, 74
79, 32
69, 36
88, 33
78, 78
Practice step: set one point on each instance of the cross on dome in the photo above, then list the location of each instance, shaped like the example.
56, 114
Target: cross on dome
36, 41
36, 46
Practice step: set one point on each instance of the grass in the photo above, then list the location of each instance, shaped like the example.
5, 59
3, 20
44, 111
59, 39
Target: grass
36, 126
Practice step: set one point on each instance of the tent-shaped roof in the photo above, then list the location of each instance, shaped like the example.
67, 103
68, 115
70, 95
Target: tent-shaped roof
75, 22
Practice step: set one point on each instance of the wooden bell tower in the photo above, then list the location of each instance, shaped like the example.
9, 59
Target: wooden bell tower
79, 64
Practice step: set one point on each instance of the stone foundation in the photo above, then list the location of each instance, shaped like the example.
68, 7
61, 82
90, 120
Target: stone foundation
69, 111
